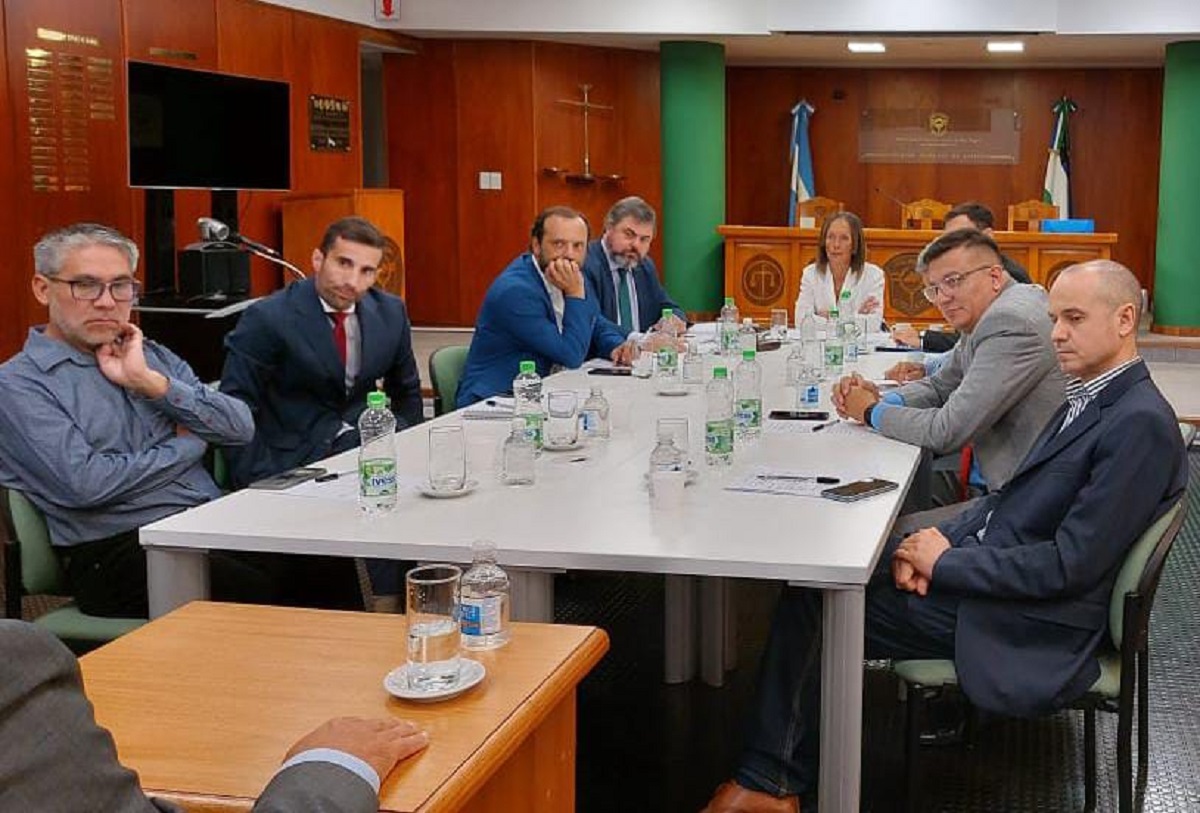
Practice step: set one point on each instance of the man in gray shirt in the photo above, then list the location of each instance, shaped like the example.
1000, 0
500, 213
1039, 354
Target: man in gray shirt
1002, 382
102, 429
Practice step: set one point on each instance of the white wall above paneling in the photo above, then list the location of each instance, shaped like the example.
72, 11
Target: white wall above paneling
1125, 16
920, 16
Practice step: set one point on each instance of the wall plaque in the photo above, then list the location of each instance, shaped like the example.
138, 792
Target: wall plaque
328, 124
66, 91
925, 136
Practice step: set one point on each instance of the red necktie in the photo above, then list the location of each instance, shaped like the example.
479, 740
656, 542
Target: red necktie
339, 333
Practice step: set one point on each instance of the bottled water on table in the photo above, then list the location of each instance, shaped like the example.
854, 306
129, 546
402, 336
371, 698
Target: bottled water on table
794, 365
516, 456
847, 330
593, 416
693, 363
527, 402
484, 600
728, 326
747, 335
666, 456
747, 387
718, 423
377, 487
666, 371
834, 349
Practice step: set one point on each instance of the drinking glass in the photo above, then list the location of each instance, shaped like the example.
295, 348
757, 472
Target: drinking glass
779, 324
433, 636
562, 418
447, 458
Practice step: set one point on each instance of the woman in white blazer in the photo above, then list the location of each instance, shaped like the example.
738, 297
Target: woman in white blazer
841, 266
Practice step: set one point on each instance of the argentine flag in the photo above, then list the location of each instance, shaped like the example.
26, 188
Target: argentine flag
1057, 187
802, 168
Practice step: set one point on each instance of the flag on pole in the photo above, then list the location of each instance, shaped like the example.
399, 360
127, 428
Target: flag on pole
801, 155
1057, 187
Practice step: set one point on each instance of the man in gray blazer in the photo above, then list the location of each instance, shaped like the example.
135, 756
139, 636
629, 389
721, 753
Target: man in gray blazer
57, 758
1001, 383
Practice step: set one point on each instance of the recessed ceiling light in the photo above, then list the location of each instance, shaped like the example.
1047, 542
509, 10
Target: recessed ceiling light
866, 47
1006, 47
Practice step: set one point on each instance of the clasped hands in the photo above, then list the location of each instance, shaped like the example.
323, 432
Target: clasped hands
852, 395
914, 560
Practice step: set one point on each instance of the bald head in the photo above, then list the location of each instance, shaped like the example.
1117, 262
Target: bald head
1095, 308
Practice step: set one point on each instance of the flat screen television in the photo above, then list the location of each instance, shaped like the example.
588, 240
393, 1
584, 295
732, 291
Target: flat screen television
192, 129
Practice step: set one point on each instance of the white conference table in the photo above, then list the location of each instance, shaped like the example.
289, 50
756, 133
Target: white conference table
590, 510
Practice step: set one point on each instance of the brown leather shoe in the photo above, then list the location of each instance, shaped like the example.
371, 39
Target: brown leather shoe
733, 798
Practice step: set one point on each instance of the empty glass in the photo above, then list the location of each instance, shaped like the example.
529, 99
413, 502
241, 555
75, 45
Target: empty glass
779, 324
447, 458
433, 635
562, 418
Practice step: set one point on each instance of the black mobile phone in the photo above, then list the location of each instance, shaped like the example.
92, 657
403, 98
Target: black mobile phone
287, 479
858, 490
611, 371
798, 415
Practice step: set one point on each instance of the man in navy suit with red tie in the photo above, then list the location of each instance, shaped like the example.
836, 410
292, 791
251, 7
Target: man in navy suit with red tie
1015, 587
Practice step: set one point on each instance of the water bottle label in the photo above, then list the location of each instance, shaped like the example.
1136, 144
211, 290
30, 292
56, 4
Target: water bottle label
718, 437
668, 360
533, 429
749, 413
377, 477
833, 355
480, 616
810, 395
589, 421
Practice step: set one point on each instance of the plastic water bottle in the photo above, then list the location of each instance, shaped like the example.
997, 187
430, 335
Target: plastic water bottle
484, 600
848, 330
747, 335
666, 456
728, 326
666, 371
527, 402
834, 349
516, 456
718, 422
808, 385
747, 387
377, 486
794, 365
593, 416
693, 364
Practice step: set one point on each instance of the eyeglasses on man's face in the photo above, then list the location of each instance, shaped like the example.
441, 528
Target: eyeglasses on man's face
89, 290
949, 283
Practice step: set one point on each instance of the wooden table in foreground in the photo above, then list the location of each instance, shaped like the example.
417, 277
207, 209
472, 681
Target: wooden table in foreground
205, 701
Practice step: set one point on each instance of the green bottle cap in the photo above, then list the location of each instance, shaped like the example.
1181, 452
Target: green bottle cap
376, 399
528, 367
729, 300
667, 313
720, 372
747, 355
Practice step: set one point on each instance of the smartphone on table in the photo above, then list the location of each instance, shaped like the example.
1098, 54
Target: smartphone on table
611, 371
858, 490
289, 478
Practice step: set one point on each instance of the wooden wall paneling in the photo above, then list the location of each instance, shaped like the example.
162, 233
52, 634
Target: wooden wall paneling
640, 135
330, 67
174, 32
898, 89
93, 140
255, 39
422, 125
14, 268
494, 88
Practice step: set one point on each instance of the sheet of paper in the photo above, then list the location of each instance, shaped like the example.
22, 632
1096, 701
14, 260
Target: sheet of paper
768, 480
344, 488
839, 427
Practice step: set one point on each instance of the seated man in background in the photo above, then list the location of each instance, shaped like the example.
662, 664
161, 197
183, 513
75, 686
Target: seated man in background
304, 360
1000, 385
1015, 588
305, 357
106, 431
970, 215
620, 274
68, 762
538, 308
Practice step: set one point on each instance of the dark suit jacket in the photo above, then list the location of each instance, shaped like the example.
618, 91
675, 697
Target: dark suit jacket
1034, 591
57, 758
651, 296
516, 322
281, 360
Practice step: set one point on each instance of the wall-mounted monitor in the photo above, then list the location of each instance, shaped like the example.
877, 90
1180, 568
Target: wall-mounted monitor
192, 129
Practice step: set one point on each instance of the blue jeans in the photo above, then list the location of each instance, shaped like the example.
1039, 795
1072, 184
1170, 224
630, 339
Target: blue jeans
782, 749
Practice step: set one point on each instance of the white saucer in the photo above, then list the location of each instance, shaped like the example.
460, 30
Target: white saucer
430, 491
565, 447
470, 674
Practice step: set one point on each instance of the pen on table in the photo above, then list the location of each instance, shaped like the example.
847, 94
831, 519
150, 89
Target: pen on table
333, 475
819, 427
831, 481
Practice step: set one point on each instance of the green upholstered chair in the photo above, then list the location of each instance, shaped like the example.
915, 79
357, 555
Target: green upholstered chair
445, 369
31, 568
1124, 670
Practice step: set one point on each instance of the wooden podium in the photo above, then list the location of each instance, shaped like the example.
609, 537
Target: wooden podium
763, 264
305, 218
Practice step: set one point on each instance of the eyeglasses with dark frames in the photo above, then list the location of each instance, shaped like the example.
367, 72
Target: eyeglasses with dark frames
89, 290
950, 283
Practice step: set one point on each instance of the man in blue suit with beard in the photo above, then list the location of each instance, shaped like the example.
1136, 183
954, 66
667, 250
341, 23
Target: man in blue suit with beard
539, 308
1015, 587
621, 275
